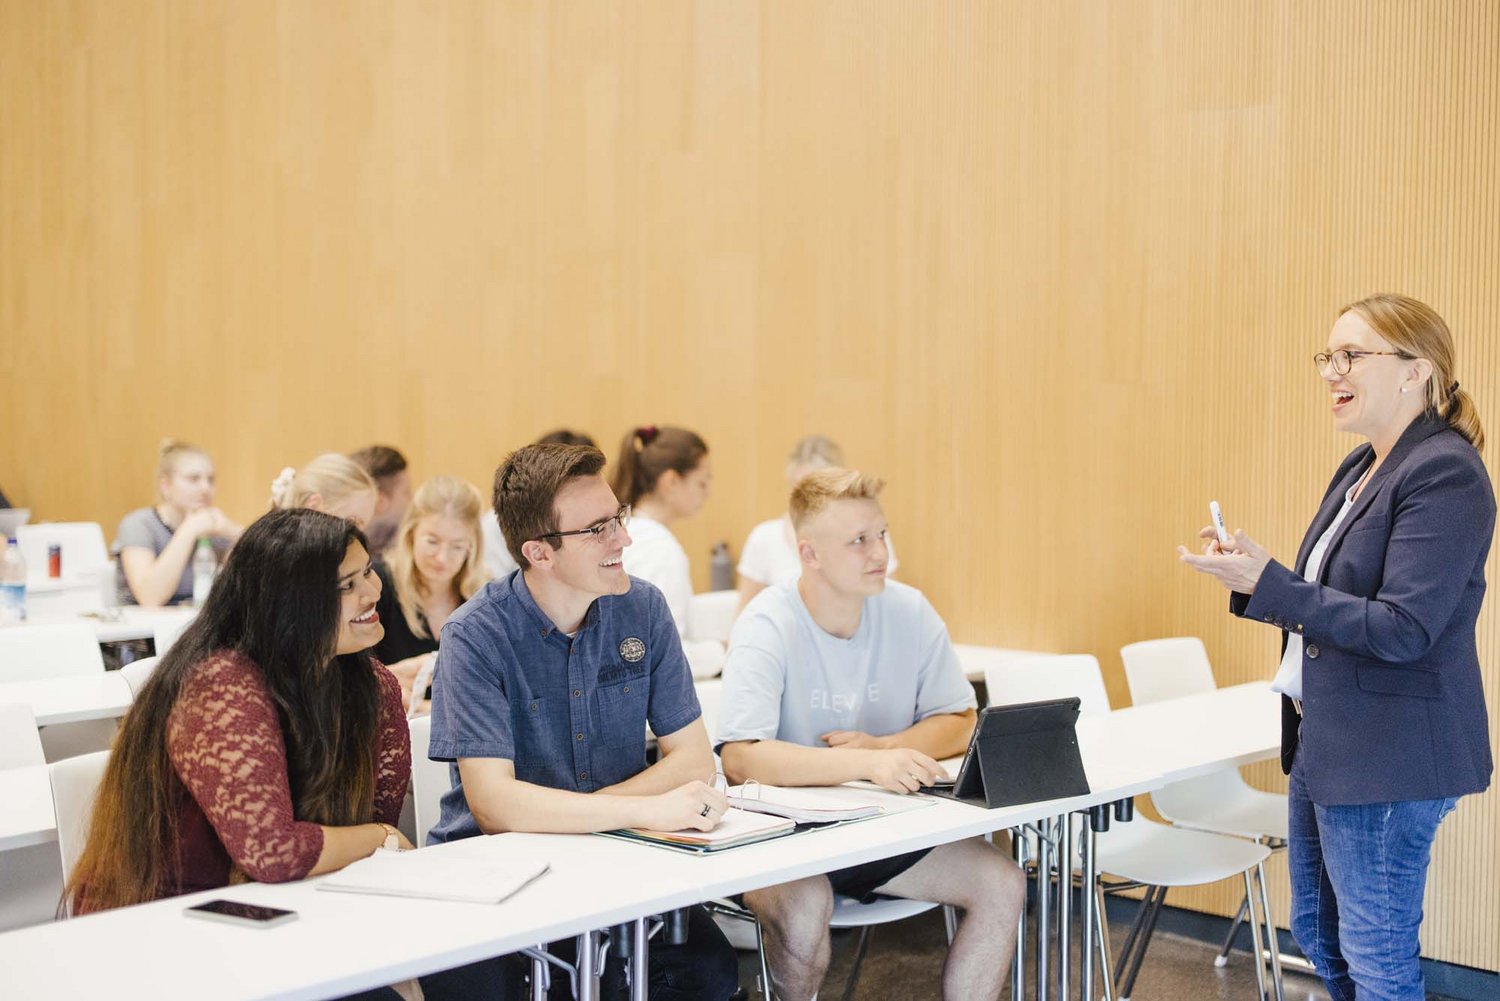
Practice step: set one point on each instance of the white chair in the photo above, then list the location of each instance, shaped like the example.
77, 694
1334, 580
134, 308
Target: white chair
711, 615
1221, 802
164, 634
429, 779
1143, 853
31, 653
137, 673
83, 550
19, 743
75, 783
977, 660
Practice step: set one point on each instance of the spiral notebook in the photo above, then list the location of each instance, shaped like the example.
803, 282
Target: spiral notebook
736, 828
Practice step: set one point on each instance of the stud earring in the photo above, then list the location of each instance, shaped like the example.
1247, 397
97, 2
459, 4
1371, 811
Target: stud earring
1403, 389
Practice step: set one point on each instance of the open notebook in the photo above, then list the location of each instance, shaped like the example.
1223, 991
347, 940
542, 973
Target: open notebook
821, 804
435, 876
737, 827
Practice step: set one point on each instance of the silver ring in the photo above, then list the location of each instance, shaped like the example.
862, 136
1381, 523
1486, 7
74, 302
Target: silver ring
706, 810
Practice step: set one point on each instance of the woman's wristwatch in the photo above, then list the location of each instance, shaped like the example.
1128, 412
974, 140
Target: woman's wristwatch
392, 840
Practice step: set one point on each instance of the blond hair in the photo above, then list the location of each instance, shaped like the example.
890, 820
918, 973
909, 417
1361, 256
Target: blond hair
1414, 328
447, 497
814, 451
331, 476
815, 491
170, 452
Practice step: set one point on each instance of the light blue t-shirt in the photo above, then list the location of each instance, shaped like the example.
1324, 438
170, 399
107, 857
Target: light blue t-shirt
785, 678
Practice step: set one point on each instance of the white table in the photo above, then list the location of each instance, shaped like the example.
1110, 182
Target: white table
99, 695
27, 817
344, 942
133, 623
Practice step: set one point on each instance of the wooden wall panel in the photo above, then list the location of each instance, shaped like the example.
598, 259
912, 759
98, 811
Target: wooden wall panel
1055, 268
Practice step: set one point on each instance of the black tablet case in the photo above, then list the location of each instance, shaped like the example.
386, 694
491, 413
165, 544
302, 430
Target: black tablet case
1024, 753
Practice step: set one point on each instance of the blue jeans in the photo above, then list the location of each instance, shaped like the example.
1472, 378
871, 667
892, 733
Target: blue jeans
1357, 878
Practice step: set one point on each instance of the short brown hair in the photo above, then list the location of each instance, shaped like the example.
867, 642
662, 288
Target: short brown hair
526, 488
817, 490
381, 461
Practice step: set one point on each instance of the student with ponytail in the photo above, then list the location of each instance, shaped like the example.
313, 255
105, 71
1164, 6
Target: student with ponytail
1383, 714
156, 543
662, 474
331, 483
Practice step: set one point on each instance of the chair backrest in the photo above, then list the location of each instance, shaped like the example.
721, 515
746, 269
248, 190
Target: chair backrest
137, 673
1166, 669
20, 744
711, 615
50, 651
75, 782
164, 634
83, 548
1051, 676
429, 779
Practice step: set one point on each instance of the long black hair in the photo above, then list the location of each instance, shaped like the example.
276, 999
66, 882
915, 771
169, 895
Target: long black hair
275, 602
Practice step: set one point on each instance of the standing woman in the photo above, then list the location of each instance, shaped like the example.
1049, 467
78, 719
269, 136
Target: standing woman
1383, 718
332, 483
433, 567
156, 543
662, 475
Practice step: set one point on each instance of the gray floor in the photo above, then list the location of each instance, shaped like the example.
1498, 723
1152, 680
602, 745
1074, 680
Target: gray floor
906, 960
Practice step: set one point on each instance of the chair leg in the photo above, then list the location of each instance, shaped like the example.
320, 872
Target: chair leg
859, 959
1273, 945
1131, 936
1254, 922
1106, 961
1222, 959
950, 921
1144, 942
766, 992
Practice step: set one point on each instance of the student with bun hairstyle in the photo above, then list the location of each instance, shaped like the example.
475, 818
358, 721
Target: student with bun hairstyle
662, 474
332, 483
156, 543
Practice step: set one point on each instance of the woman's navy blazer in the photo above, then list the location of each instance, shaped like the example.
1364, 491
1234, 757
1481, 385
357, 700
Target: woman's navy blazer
1392, 705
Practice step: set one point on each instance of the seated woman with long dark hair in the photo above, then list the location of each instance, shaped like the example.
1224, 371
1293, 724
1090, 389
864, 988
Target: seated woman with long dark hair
267, 744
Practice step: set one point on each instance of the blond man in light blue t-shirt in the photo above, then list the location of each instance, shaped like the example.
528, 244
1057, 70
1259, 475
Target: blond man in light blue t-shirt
843, 675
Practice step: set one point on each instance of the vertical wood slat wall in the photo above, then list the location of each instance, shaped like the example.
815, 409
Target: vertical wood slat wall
1056, 269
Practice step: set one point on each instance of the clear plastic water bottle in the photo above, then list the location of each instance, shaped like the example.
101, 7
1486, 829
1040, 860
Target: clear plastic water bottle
205, 566
12, 585
720, 568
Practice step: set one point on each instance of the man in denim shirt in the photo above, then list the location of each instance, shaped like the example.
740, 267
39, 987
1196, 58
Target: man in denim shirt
545, 683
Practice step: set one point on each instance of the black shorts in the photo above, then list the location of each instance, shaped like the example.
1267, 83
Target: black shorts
861, 881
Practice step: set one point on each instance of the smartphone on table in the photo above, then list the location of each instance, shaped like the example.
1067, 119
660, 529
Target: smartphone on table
236, 913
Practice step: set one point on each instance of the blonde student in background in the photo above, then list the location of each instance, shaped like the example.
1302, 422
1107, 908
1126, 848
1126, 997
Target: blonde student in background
842, 675
432, 567
662, 474
770, 555
156, 543
331, 483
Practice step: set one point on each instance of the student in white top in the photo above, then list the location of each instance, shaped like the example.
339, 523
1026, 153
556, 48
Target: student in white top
841, 675
498, 562
770, 552
663, 474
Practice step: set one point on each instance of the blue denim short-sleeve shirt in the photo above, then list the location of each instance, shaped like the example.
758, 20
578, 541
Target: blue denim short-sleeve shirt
569, 712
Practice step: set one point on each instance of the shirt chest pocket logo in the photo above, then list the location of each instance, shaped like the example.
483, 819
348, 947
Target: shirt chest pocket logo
632, 649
